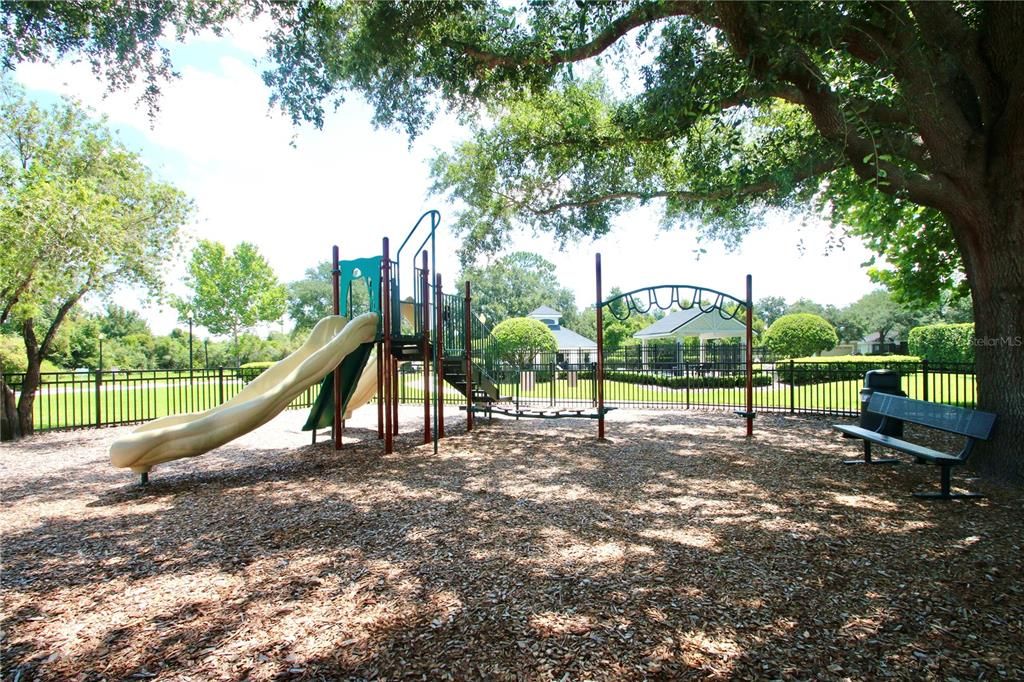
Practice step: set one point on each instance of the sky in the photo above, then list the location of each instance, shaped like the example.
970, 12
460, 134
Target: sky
296, 191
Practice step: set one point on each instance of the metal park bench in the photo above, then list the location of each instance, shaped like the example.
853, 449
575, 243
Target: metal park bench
974, 425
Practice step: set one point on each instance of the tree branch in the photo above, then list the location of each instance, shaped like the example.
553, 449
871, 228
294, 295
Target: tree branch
761, 187
744, 34
635, 18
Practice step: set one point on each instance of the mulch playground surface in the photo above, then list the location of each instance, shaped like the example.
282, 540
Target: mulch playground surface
524, 550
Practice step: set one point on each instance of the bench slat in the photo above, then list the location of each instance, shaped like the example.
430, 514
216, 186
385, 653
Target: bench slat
971, 423
898, 444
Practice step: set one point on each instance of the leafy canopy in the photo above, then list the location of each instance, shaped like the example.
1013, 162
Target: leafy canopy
719, 111
515, 285
232, 291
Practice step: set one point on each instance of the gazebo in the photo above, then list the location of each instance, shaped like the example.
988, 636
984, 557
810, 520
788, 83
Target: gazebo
690, 323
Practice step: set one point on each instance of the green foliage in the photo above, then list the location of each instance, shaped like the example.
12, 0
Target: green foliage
770, 308
517, 284
730, 380
619, 332
118, 322
262, 364
520, 339
311, 299
800, 334
80, 214
12, 354
843, 367
233, 291
880, 312
941, 343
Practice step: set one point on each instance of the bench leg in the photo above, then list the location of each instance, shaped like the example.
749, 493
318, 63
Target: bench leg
867, 457
944, 493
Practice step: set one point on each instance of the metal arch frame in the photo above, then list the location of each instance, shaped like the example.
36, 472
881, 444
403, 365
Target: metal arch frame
695, 301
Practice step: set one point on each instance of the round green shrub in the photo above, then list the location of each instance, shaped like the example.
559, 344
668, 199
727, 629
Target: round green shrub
12, 354
800, 334
952, 343
520, 339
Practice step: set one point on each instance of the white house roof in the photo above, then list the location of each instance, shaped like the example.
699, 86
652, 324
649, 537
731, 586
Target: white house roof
545, 311
692, 322
568, 339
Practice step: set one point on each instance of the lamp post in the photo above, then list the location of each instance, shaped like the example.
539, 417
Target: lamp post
188, 316
206, 353
99, 383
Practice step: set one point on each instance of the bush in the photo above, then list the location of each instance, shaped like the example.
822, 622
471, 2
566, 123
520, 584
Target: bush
737, 380
943, 342
12, 354
520, 339
843, 367
800, 334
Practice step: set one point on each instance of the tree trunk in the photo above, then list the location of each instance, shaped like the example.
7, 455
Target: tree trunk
32, 380
999, 361
10, 428
993, 249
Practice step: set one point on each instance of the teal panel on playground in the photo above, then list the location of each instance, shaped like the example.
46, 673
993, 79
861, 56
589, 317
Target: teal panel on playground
366, 270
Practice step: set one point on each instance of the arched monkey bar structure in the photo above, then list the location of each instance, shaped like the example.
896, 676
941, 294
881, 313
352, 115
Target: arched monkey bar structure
685, 297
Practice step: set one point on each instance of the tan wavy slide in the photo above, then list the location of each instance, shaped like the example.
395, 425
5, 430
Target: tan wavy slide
188, 435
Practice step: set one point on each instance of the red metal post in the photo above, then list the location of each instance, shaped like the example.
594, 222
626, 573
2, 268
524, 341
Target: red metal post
439, 360
750, 356
380, 390
599, 373
425, 345
385, 386
337, 427
469, 361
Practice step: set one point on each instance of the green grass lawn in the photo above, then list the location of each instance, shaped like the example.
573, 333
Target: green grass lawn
135, 400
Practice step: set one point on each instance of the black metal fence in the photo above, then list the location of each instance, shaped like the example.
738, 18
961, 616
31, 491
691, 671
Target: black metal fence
67, 400
82, 399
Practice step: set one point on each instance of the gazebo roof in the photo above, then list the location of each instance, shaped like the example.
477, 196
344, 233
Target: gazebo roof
692, 322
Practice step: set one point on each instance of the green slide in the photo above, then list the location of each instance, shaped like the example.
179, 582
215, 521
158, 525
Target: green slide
322, 414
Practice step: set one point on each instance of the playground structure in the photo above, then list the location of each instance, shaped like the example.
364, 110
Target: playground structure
362, 358
428, 327
684, 297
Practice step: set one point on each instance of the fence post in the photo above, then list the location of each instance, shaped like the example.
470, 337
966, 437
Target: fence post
553, 377
99, 384
220, 385
924, 372
792, 387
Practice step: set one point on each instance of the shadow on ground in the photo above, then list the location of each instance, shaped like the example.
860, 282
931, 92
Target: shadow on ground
525, 549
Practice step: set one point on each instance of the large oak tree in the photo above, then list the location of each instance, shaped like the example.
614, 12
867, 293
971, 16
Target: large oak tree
902, 121
79, 214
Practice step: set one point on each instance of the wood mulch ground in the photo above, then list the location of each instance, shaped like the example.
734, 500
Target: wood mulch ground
676, 549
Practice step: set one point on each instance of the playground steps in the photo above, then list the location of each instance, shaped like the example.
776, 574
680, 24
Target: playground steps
484, 391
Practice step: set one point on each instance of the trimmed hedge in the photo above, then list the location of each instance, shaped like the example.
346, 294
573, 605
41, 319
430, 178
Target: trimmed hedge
843, 367
262, 364
943, 342
694, 381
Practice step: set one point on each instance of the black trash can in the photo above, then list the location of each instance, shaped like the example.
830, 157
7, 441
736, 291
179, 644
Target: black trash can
881, 381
